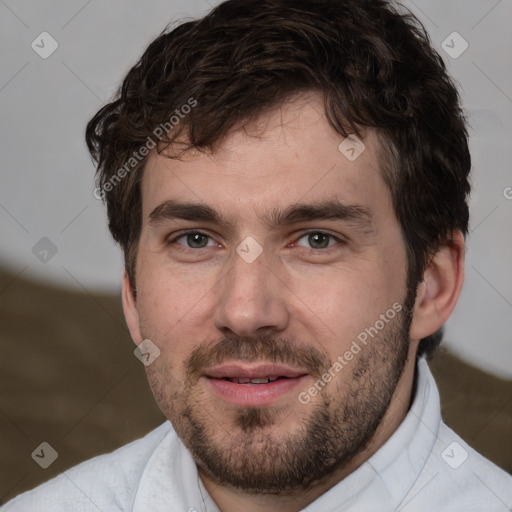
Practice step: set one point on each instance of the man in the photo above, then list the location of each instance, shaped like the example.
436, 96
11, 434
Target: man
288, 181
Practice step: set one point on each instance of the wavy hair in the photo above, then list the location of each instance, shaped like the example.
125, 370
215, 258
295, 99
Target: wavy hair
372, 62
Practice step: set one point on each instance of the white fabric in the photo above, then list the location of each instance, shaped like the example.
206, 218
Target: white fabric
414, 471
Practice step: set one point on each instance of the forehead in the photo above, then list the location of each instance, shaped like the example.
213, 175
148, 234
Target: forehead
289, 155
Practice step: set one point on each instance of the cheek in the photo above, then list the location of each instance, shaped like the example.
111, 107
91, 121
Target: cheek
168, 308
343, 303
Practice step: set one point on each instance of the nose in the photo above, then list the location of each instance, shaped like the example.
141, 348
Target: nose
251, 299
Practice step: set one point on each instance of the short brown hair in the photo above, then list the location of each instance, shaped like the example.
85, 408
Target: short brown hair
375, 67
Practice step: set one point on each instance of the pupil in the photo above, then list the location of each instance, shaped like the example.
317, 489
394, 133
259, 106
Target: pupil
196, 240
319, 240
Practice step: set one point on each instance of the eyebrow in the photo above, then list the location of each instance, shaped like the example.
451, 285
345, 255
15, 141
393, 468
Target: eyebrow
355, 214
325, 210
170, 210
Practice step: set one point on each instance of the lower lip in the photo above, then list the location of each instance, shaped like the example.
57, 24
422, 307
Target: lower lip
253, 395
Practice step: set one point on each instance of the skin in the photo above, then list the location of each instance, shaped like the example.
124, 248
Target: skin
302, 297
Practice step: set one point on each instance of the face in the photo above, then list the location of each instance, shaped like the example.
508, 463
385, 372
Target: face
272, 277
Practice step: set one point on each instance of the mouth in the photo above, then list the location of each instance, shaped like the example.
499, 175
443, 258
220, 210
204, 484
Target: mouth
253, 385
255, 380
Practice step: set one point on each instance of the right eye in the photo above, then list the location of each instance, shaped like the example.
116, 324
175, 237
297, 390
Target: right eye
193, 240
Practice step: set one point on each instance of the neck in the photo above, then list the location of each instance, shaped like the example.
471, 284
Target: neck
233, 500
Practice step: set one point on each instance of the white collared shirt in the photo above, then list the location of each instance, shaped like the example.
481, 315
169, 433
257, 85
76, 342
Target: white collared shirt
423, 467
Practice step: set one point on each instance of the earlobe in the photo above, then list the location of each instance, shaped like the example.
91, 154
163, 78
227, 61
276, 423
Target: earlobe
440, 289
131, 313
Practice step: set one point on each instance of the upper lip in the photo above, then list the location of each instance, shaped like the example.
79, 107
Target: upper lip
252, 371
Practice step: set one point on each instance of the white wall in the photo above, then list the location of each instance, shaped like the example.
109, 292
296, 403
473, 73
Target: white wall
47, 176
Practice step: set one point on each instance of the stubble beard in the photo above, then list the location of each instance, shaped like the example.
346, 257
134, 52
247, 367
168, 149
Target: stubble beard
249, 451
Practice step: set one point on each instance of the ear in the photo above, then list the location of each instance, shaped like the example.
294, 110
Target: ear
440, 289
130, 310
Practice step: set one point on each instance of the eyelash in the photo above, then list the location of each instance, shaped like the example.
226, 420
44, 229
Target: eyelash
185, 233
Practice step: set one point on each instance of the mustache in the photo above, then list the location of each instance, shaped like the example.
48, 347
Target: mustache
262, 349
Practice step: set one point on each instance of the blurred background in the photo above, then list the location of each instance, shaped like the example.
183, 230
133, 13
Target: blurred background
68, 375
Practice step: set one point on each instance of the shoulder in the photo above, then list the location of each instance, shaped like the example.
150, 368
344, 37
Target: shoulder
107, 482
458, 478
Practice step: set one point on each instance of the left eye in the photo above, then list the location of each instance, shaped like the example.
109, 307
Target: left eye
194, 240
317, 240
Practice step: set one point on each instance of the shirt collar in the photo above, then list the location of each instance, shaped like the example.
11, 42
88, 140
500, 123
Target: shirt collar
385, 478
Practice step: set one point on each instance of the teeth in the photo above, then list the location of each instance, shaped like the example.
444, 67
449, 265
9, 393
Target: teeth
257, 380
